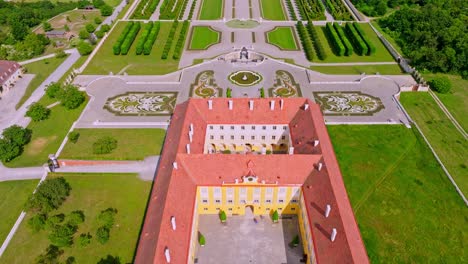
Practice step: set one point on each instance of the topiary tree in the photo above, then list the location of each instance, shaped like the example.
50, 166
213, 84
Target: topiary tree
60, 54
84, 239
49, 195
73, 136
38, 112
99, 34
201, 239
275, 216
222, 216
441, 84
295, 241
104, 145
102, 234
110, 260
37, 222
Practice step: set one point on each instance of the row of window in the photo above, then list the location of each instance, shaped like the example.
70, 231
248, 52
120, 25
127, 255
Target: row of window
243, 137
266, 209
252, 127
242, 201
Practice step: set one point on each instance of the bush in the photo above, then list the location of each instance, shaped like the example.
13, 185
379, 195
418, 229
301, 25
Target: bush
441, 84
305, 40
148, 46
38, 112
222, 216
37, 222
201, 239
317, 43
62, 235
97, 20
83, 34
337, 44
192, 9
8, 151
117, 45
104, 145
76, 217
180, 42
49, 195
99, 34
55, 220
103, 234
344, 39
105, 28
84, 239
90, 28
107, 217
143, 38
71, 97
275, 216
106, 10
127, 43
84, 48
370, 46
73, 136
356, 39
53, 89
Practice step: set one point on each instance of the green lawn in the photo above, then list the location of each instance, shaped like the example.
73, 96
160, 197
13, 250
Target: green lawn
203, 37
272, 10
455, 100
132, 144
105, 61
13, 195
47, 135
283, 38
406, 208
91, 193
448, 143
42, 69
381, 53
392, 69
211, 10
109, 2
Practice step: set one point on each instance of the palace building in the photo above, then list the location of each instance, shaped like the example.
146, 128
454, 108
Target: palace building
262, 155
10, 71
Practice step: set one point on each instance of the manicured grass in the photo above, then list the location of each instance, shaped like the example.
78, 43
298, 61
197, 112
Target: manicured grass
448, 143
455, 100
203, 37
105, 61
13, 195
42, 69
211, 10
132, 144
91, 193
392, 69
283, 38
406, 208
381, 53
272, 9
47, 135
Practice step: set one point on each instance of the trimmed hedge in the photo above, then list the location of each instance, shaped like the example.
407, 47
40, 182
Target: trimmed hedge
321, 54
347, 44
143, 38
168, 11
182, 11
305, 40
338, 10
370, 46
148, 46
291, 10
170, 38
180, 42
335, 40
117, 46
356, 39
310, 9
130, 38
145, 9
192, 9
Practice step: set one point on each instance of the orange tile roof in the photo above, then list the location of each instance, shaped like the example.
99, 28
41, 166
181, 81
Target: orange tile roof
174, 190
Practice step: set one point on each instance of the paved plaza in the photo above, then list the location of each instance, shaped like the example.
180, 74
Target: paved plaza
242, 240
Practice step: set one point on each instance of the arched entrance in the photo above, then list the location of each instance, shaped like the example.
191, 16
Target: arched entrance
249, 210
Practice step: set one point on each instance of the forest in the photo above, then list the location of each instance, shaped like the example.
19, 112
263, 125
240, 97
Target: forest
433, 36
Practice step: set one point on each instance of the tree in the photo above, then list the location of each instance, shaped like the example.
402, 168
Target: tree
98, 3
90, 28
102, 234
222, 216
84, 239
441, 84
47, 26
18, 28
107, 217
62, 235
66, 28
84, 48
37, 222
55, 220
105, 28
106, 10
104, 145
51, 255
73, 136
109, 260
60, 54
99, 34
38, 112
17, 135
76, 217
97, 20
83, 34
53, 90
8, 151
201, 239
71, 97
49, 195
275, 216
83, 3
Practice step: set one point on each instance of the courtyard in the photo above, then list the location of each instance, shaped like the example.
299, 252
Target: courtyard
248, 239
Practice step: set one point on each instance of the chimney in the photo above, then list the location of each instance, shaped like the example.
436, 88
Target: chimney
319, 166
251, 105
191, 127
281, 104
327, 210
210, 104
306, 106
333, 235
188, 148
173, 223
230, 103
174, 164
167, 255
316, 142
291, 150
190, 135
272, 105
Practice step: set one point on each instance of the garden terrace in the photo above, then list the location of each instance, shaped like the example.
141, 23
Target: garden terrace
283, 38
201, 38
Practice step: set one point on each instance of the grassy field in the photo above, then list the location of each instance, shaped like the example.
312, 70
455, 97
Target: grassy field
105, 61
456, 99
91, 193
406, 208
133, 144
203, 37
392, 69
109, 2
42, 69
13, 195
448, 143
283, 38
211, 10
47, 135
381, 53
272, 10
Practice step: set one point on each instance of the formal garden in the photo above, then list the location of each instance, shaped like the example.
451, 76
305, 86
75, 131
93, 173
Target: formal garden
202, 38
81, 222
348, 103
211, 10
282, 37
272, 9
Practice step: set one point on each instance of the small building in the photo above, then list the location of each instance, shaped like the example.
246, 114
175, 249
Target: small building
10, 71
56, 34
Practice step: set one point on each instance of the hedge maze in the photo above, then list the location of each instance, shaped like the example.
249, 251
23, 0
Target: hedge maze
305, 40
170, 9
181, 40
311, 9
338, 10
145, 9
